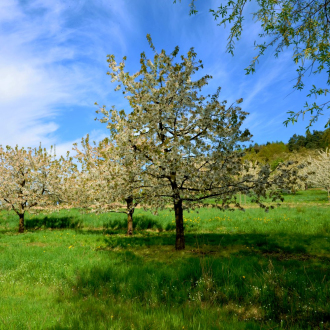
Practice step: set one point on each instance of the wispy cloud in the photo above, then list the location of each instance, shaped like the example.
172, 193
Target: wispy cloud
50, 64
53, 64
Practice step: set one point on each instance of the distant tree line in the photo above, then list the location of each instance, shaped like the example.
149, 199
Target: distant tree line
298, 146
315, 140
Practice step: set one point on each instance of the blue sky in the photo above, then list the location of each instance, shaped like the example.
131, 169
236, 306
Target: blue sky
53, 66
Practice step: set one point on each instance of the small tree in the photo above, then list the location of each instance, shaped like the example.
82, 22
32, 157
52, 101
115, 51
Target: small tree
112, 175
30, 179
319, 170
189, 144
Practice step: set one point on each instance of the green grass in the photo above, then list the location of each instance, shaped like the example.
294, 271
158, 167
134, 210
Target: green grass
310, 196
314, 196
240, 270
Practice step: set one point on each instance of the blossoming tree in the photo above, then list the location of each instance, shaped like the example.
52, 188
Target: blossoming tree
112, 173
319, 170
31, 179
190, 144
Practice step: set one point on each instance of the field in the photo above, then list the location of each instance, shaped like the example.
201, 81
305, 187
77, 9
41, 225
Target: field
240, 270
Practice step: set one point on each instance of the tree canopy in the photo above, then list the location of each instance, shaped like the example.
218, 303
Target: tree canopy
109, 176
319, 170
32, 179
189, 144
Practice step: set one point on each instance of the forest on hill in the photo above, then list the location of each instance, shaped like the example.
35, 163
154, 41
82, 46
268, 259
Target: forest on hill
297, 148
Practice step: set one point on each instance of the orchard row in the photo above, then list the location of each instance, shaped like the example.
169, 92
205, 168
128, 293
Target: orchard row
176, 147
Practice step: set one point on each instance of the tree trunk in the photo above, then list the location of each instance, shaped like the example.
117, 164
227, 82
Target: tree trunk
130, 211
21, 223
179, 242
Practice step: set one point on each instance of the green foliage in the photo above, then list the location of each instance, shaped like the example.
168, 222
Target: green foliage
271, 153
275, 152
296, 142
315, 140
303, 26
268, 151
275, 163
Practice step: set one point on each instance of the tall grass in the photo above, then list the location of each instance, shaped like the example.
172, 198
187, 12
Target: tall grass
240, 270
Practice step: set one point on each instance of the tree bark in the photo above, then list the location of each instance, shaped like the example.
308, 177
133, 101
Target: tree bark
180, 241
21, 226
130, 211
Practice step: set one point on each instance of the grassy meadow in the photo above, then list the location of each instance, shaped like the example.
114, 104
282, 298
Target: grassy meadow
240, 270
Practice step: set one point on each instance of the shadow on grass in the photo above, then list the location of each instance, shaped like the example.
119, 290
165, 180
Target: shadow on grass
149, 282
8, 231
53, 222
141, 222
282, 246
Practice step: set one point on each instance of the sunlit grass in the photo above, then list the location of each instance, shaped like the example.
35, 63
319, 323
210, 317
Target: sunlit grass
240, 270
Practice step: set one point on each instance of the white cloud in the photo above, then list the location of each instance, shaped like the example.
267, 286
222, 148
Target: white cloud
42, 71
